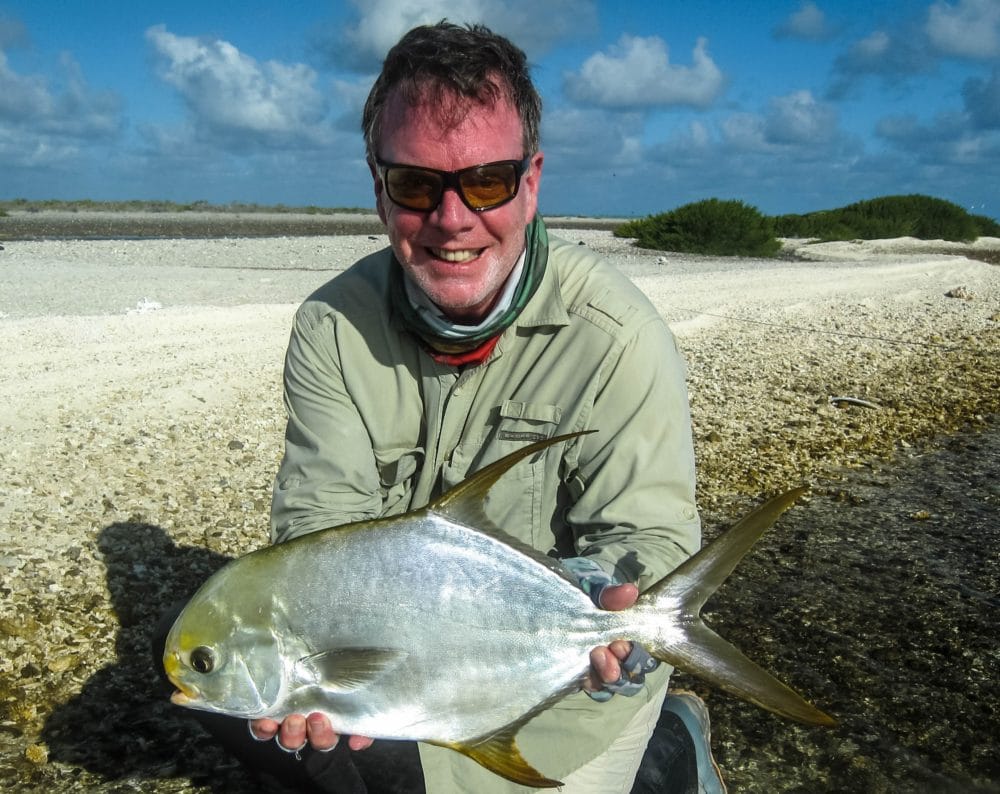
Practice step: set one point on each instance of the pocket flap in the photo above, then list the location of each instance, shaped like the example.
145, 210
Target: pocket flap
533, 412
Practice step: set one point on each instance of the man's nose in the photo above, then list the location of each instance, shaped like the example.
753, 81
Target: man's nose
452, 214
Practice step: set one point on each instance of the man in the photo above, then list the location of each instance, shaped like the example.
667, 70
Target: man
471, 336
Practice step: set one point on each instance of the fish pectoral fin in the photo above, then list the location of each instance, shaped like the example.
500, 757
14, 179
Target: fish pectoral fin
344, 669
500, 755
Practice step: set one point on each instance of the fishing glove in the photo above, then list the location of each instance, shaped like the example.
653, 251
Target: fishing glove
591, 576
593, 579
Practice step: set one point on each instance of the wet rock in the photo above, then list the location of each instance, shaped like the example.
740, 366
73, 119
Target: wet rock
37, 754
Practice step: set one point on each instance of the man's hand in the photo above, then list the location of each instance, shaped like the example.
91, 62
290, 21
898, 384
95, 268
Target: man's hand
296, 731
605, 661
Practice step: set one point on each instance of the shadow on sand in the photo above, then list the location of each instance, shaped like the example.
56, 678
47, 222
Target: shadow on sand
121, 725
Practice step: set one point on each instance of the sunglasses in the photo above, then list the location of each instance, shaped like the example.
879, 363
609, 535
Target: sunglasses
481, 187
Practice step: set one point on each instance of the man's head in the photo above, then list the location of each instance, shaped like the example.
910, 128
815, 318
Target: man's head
434, 62
448, 99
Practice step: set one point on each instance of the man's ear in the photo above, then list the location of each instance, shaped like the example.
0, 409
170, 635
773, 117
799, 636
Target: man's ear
531, 183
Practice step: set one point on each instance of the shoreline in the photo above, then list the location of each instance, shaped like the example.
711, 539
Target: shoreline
139, 444
64, 224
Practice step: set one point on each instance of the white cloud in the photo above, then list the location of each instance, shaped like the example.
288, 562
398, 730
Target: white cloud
383, 22
231, 94
31, 152
745, 132
637, 73
799, 119
872, 47
912, 46
947, 139
809, 22
689, 146
796, 121
21, 95
531, 25
589, 137
28, 103
894, 56
970, 29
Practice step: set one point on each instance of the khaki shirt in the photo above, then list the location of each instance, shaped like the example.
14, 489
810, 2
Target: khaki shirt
376, 427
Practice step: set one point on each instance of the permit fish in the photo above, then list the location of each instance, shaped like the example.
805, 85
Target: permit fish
373, 624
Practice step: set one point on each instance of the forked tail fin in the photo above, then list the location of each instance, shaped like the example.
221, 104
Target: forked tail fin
694, 648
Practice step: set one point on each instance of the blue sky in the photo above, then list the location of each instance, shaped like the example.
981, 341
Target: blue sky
788, 106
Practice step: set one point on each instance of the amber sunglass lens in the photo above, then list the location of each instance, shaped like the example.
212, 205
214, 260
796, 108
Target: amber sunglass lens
489, 185
414, 188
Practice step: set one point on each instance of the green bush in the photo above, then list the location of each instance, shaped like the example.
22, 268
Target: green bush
987, 226
712, 226
924, 217
826, 225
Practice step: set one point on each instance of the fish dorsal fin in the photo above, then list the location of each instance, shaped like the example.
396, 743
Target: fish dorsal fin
345, 669
464, 502
500, 754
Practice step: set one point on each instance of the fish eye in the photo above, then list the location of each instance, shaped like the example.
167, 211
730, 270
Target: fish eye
202, 659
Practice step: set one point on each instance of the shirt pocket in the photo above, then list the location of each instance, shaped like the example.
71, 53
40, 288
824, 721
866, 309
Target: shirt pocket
396, 470
525, 423
515, 502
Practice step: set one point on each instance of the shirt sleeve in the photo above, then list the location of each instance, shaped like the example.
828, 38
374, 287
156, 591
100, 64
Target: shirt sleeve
328, 475
635, 510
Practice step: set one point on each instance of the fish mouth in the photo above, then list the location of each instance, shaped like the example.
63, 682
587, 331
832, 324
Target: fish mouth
183, 697
185, 694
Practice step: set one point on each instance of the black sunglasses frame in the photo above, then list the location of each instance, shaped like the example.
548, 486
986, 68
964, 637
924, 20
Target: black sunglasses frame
453, 180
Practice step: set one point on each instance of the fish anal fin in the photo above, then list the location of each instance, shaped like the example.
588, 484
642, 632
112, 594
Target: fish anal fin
500, 754
345, 669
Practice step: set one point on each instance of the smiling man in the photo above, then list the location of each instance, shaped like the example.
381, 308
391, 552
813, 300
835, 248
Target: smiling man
471, 335
457, 246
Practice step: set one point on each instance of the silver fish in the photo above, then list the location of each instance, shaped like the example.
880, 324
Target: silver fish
372, 623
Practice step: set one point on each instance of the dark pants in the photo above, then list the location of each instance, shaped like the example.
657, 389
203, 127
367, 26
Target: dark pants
669, 765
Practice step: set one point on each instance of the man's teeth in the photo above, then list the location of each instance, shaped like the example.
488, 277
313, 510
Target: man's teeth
455, 256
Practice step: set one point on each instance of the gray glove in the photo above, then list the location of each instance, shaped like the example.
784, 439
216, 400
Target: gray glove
593, 579
591, 576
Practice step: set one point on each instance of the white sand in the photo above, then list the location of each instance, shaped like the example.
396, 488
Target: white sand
179, 325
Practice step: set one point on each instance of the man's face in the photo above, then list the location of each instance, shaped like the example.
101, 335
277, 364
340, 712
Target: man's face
458, 257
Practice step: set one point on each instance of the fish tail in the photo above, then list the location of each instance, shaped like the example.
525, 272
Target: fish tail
693, 647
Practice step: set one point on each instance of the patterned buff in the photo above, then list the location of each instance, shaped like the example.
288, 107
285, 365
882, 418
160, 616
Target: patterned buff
461, 347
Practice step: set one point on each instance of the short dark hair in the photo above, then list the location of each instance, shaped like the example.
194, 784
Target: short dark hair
468, 61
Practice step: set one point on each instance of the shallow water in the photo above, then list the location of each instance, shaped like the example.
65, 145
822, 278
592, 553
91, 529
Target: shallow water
880, 600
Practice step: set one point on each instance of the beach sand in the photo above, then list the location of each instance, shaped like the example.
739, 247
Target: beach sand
142, 424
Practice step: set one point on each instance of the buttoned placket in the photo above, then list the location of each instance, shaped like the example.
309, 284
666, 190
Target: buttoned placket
448, 398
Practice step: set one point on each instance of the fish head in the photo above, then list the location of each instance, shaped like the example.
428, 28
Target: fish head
222, 661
